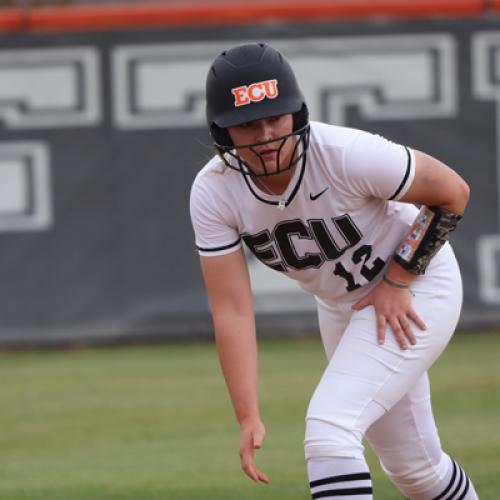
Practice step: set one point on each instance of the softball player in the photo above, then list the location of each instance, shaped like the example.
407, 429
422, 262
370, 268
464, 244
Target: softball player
332, 208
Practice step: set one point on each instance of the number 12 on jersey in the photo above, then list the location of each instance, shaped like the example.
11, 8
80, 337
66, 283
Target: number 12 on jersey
368, 271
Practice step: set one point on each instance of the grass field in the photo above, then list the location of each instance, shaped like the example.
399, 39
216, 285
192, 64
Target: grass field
154, 422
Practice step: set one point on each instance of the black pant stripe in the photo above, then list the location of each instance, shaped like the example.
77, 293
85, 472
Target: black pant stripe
450, 484
459, 485
342, 492
466, 489
339, 479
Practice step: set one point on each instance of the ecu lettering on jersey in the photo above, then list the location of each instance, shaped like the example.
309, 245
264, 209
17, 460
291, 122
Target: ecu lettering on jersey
255, 92
278, 248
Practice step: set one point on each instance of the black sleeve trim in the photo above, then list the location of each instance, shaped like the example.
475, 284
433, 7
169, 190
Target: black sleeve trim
405, 178
225, 247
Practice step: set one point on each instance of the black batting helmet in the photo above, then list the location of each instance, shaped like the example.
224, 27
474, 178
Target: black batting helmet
251, 82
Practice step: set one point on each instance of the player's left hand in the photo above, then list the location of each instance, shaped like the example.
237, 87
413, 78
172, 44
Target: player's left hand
392, 306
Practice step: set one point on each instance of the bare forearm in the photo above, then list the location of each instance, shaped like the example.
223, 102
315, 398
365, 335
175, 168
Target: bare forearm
459, 202
237, 349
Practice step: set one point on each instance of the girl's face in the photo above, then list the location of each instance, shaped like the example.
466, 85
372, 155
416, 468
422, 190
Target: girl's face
263, 158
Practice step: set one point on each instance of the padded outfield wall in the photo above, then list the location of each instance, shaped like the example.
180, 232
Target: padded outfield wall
102, 132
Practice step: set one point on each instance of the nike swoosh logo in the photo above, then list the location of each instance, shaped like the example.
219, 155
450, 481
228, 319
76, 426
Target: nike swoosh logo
316, 196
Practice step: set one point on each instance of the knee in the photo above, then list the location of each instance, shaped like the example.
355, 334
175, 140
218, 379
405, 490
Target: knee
412, 479
416, 477
330, 437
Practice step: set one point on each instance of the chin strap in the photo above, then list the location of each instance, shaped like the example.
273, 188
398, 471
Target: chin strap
428, 233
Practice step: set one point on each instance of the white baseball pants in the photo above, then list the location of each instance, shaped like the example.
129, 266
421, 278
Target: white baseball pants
381, 391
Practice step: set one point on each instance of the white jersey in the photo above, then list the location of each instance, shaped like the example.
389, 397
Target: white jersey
338, 232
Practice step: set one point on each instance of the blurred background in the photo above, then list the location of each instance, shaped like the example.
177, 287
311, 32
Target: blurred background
102, 131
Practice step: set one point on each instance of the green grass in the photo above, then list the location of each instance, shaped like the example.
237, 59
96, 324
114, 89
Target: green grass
155, 422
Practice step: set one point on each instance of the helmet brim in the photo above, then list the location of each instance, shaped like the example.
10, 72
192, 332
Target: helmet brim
258, 111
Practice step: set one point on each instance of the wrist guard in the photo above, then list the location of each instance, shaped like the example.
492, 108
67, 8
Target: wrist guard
430, 231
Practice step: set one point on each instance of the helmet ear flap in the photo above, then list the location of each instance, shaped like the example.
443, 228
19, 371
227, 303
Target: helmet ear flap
220, 136
300, 118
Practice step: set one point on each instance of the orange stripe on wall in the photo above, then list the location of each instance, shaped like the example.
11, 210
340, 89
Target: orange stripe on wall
188, 13
12, 20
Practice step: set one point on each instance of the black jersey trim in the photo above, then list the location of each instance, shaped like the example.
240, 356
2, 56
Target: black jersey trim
225, 247
407, 174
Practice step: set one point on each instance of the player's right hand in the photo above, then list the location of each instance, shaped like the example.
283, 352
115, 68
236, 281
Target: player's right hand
252, 434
